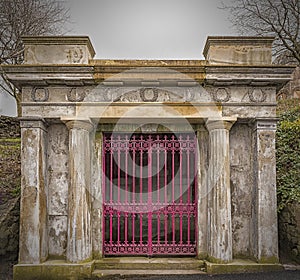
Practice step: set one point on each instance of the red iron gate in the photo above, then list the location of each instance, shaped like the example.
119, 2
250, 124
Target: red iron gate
149, 194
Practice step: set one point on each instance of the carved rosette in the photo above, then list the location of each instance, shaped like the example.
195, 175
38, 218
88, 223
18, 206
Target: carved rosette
76, 95
39, 94
221, 95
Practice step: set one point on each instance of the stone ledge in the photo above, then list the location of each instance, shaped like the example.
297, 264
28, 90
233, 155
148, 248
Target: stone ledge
241, 266
53, 270
136, 274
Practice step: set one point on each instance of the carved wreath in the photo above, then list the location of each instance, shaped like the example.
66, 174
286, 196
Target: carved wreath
39, 94
257, 95
221, 95
149, 94
75, 96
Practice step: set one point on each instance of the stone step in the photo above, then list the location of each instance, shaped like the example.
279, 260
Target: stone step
130, 273
143, 263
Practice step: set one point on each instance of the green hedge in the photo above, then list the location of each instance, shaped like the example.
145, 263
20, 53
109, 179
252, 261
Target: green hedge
288, 155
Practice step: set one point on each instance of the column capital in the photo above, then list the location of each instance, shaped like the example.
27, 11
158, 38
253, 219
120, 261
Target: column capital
78, 123
222, 123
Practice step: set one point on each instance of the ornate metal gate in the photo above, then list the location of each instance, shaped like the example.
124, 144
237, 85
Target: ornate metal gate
149, 194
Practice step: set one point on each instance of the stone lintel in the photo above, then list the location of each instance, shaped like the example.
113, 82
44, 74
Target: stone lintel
238, 50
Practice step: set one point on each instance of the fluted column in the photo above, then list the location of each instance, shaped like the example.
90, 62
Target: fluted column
219, 198
79, 247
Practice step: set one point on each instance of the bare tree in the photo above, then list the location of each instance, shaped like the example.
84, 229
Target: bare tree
279, 18
26, 17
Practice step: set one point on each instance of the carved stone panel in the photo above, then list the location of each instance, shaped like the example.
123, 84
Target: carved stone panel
76, 54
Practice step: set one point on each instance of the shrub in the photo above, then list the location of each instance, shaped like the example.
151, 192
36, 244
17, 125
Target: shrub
288, 156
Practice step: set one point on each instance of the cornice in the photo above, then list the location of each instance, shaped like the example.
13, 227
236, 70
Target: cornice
180, 73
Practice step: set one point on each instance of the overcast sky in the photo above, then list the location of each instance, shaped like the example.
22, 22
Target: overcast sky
149, 29
143, 29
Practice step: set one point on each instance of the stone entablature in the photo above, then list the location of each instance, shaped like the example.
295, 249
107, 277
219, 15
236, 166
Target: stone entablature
66, 105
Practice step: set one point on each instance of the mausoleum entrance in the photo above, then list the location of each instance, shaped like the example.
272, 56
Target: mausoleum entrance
146, 157
149, 191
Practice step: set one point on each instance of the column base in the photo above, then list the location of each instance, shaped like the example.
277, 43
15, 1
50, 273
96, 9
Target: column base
53, 270
241, 266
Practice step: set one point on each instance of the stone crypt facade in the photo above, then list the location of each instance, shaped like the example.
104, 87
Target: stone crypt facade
148, 158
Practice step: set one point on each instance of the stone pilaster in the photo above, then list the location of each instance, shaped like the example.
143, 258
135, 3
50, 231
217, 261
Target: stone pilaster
203, 138
265, 236
33, 212
79, 244
97, 201
219, 197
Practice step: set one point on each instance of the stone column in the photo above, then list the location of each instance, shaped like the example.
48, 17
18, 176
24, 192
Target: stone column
219, 201
265, 235
33, 210
79, 244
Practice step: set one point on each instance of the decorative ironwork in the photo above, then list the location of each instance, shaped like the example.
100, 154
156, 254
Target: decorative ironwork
149, 194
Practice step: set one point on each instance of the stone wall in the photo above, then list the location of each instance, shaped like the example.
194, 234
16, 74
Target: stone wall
9, 127
10, 174
289, 233
9, 229
9, 237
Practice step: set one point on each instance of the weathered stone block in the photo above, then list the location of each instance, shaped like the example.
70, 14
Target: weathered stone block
58, 196
58, 235
53, 270
58, 50
238, 50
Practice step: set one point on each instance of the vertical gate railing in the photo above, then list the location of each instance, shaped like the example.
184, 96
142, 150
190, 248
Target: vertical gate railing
149, 194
